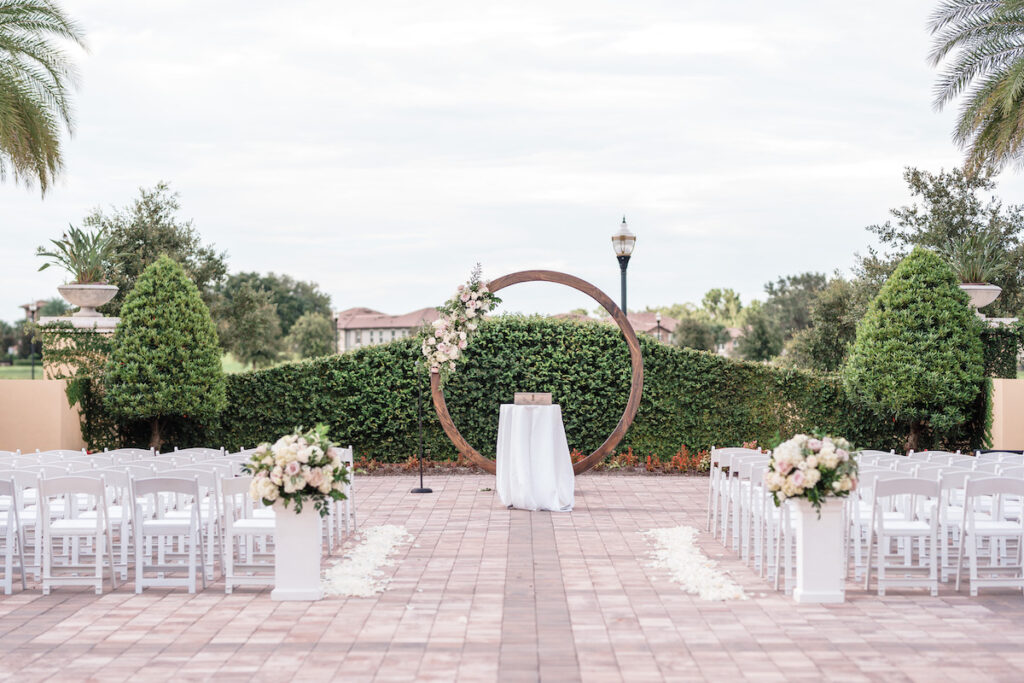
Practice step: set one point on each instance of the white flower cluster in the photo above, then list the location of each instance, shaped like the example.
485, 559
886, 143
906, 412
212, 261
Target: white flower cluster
802, 463
360, 573
451, 333
676, 551
297, 466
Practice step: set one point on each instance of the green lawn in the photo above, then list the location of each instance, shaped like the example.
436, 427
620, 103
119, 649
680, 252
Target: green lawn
230, 365
20, 371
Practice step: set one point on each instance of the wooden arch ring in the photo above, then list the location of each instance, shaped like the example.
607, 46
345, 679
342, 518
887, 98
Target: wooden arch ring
636, 386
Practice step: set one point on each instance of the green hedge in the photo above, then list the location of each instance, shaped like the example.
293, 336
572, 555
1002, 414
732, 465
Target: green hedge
696, 398
1001, 346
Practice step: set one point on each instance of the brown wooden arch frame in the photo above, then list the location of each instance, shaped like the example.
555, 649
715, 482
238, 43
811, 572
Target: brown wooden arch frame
636, 386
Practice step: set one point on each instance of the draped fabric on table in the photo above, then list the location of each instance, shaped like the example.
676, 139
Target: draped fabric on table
534, 470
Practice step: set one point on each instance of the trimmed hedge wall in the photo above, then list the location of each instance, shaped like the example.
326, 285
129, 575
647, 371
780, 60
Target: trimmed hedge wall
1001, 346
691, 398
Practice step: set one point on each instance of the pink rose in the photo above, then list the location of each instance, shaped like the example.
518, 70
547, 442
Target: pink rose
853, 483
783, 467
463, 344
464, 298
814, 444
797, 478
292, 468
842, 455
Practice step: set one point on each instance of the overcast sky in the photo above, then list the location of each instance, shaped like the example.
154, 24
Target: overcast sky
381, 149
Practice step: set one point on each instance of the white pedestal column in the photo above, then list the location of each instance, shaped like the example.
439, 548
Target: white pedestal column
819, 552
297, 549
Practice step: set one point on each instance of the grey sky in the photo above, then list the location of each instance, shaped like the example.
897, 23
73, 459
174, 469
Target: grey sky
383, 148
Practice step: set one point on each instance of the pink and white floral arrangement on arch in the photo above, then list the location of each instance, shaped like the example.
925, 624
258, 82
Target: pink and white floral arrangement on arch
448, 336
812, 467
299, 468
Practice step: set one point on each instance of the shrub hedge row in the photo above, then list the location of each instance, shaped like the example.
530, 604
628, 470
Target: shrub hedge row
1001, 346
691, 398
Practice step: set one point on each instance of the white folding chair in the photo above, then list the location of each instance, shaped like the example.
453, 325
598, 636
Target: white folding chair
240, 528
345, 510
905, 494
75, 528
119, 515
997, 529
163, 528
196, 454
209, 509
13, 534
130, 454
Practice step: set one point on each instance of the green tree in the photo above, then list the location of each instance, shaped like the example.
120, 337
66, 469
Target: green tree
150, 228
293, 298
949, 211
918, 356
789, 301
164, 360
722, 305
823, 345
249, 326
54, 307
312, 335
982, 46
761, 340
694, 333
35, 78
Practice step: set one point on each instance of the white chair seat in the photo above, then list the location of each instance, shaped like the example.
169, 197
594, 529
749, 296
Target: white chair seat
79, 526
166, 525
255, 526
899, 527
115, 513
262, 513
990, 527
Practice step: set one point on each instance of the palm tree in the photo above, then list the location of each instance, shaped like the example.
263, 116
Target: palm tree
35, 77
982, 42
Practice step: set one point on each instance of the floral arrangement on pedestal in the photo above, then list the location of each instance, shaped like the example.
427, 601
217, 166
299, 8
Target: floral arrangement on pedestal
450, 335
298, 468
812, 467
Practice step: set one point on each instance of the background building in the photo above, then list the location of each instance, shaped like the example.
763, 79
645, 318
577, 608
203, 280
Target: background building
359, 327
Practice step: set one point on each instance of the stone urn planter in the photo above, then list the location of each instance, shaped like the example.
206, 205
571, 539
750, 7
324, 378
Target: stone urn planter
981, 294
87, 298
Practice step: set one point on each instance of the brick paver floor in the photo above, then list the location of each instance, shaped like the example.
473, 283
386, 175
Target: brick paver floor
485, 593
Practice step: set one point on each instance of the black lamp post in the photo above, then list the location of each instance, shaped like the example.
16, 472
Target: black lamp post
623, 242
419, 425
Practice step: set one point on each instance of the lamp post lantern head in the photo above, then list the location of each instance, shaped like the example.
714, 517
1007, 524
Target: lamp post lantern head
623, 241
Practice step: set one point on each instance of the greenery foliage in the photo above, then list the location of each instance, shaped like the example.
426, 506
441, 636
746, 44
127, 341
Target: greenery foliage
312, 335
292, 298
1001, 346
833, 327
978, 258
35, 77
86, 256
249, 327
949, 210
918, 358
150, 228
164, 359
982, 46
692, 398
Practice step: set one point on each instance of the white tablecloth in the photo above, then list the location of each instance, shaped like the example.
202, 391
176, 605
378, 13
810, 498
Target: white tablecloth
534, 467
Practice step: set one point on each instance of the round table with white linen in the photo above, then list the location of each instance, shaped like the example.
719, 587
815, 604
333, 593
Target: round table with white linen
534, 470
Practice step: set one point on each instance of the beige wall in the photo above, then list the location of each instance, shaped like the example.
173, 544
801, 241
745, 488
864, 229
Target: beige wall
35, 414
1008, 414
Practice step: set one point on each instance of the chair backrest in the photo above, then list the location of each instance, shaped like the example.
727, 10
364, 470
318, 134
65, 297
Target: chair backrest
238, 504
138, 469
904, 486
60, 486
954, 479
879, 453
199, 453
994, 486
909, 467
999, 456
988, 467
1012, 472
161, 484
74, 465
64, 452
131, 453
24, 479
48, 471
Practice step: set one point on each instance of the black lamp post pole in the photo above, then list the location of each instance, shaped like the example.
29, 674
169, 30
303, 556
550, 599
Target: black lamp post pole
623, 263
419, 426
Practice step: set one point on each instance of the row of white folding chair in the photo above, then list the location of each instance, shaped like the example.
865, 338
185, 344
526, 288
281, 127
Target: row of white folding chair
952, 507
720, 464
1002, 456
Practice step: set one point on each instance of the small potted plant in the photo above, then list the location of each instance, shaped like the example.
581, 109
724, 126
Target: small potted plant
86, 256
977, 261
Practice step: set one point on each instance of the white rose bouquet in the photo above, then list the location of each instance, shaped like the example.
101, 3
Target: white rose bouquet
812, 467
448, 336
297, 468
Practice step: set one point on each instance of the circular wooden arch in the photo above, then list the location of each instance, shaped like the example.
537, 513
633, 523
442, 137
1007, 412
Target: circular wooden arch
636, 386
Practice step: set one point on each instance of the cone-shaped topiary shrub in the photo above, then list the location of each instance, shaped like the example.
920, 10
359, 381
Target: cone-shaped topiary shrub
918, 356
164, 362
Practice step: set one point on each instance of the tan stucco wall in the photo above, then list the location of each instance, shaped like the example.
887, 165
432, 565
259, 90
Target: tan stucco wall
1008, 414
35, 414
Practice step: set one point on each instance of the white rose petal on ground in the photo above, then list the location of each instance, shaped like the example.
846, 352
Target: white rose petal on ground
675, 549
359, 574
